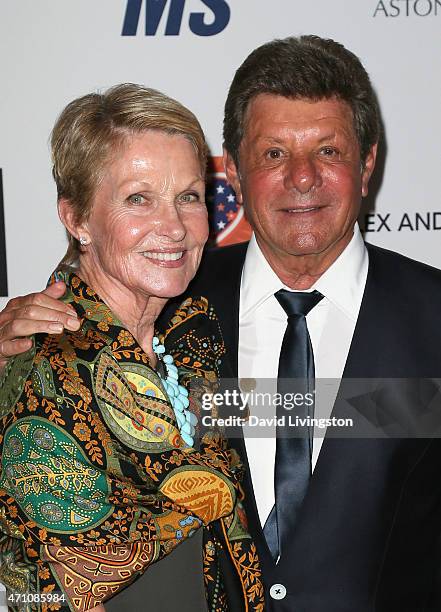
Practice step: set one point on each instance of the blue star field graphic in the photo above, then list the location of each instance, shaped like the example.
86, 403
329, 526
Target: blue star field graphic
227, 224
222, 202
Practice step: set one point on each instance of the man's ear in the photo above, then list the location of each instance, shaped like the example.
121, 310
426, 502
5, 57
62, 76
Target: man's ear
232, 172
68, 218
368, 168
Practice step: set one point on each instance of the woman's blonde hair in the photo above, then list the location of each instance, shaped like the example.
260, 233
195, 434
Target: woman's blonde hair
92, 128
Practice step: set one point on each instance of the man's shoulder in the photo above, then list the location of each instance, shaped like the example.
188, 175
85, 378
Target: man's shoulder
398, 269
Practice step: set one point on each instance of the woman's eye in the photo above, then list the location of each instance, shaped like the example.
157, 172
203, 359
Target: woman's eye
136, 199
189, 197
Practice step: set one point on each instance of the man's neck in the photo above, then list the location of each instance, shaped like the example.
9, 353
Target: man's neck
301, 272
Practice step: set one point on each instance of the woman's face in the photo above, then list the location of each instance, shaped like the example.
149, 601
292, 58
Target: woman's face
148, 222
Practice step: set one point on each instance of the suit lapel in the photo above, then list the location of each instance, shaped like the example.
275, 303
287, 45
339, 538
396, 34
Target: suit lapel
369, 340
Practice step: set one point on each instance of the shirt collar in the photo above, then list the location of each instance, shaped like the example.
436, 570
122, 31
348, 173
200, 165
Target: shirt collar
342, 284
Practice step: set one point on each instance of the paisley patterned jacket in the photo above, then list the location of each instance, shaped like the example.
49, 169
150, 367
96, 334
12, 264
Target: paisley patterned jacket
96, 482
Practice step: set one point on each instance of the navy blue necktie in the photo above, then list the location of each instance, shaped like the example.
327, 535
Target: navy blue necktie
296, 374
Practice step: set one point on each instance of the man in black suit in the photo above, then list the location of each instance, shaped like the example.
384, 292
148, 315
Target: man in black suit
301, 132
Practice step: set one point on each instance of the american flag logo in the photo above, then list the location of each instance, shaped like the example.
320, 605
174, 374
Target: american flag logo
227, 220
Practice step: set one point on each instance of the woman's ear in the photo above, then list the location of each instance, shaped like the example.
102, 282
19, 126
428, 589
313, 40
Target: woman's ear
68, 218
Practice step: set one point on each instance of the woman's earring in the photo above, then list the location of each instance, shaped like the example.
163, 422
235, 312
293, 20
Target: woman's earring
83, 241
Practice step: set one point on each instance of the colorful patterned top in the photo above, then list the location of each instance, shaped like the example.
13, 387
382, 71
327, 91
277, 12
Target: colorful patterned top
96, 482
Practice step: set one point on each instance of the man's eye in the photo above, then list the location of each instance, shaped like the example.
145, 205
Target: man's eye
274, 154
328, 151
136, 199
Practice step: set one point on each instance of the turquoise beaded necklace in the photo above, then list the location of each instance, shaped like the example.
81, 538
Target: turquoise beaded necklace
178, 395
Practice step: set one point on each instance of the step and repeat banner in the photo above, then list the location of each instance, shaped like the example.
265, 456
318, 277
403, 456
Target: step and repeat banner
53, 51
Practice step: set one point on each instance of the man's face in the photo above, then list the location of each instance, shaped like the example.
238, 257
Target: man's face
300, 177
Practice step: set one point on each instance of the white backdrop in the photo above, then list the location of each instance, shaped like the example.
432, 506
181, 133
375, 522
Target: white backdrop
52, 51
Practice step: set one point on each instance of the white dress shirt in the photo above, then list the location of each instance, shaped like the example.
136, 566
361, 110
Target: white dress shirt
262, 324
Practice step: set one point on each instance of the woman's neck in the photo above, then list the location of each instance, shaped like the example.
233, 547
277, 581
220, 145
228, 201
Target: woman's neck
136, 311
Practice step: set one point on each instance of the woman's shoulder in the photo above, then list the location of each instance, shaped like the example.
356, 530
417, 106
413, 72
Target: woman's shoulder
13, 378
54, 358
50, 364
194, 337
192, 307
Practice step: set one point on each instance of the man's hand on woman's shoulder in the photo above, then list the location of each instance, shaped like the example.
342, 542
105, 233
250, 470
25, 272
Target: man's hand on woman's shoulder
31, 314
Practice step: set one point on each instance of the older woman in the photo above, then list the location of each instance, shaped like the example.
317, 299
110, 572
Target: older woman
100, 476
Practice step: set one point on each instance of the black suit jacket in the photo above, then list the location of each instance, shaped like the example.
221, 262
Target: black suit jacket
368, 534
